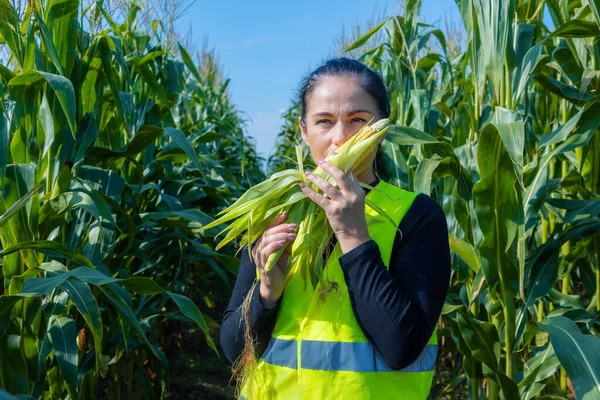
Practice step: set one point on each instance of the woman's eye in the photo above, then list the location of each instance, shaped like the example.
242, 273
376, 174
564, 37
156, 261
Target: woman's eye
359, 120
323, 121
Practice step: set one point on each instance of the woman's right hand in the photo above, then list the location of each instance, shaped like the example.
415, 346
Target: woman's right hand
277, 235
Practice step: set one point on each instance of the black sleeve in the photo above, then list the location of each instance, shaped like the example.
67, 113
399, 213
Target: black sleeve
262, 320
398, 310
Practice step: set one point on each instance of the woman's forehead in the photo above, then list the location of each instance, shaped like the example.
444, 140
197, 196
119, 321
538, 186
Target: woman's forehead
335, 94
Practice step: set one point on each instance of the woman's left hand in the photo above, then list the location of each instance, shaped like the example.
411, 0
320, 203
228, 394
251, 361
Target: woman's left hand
344, 207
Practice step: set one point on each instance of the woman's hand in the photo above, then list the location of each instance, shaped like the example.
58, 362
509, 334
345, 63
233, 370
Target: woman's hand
275, 236
344, 207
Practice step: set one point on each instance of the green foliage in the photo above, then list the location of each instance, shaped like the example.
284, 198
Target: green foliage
113, 154
578, 353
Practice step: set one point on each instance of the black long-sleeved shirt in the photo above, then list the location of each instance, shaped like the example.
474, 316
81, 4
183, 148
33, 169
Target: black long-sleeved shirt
397, 310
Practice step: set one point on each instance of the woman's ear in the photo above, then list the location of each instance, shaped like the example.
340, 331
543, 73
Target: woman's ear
303, 130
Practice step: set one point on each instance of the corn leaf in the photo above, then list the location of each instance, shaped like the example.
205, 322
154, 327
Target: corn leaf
63, 335
578, 354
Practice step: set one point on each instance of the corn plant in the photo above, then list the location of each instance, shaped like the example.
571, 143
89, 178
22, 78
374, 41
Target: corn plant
504, 135
113, 153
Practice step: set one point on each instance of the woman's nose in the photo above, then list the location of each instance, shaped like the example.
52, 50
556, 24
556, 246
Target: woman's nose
341, 133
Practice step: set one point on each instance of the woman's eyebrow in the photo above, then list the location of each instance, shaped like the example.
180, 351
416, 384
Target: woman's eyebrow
359, 111
328, 114
322, 114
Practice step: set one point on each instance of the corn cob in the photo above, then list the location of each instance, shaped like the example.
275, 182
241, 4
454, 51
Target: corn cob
370, 130
280, 192
355, 150
363, 134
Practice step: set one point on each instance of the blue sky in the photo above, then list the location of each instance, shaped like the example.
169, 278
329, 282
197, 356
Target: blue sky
266, 47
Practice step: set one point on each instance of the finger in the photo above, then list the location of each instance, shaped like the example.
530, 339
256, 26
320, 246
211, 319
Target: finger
271, 248
277, 237
342, 180
280, 229
327, 188
318, 198
275, 226
256, 251
354, 180
279, 219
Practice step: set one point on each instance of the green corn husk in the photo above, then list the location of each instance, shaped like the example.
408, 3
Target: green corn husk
260, 204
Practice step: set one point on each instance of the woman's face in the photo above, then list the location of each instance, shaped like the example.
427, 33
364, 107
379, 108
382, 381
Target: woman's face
337, 109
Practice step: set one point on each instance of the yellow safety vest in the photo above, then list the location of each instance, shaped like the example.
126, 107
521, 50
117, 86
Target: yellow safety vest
318, 350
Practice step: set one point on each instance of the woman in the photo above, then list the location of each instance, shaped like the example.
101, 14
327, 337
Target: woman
368, 329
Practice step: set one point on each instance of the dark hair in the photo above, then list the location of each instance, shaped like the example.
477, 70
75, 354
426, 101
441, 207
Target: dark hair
369, 81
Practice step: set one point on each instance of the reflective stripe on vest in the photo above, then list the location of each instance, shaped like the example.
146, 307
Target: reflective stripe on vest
340, 356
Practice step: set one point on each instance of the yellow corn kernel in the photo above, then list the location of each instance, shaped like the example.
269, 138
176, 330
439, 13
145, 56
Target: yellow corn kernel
365, 155
365, 132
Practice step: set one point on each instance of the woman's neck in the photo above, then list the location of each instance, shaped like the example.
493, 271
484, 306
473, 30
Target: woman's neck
367, 177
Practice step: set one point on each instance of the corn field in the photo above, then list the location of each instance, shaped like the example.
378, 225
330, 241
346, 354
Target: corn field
115, 153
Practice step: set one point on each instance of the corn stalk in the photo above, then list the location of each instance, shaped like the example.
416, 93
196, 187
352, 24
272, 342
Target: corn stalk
112, 154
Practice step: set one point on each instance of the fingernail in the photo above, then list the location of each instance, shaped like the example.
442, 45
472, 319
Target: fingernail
321, 161
308, 172
292, 225
302, 185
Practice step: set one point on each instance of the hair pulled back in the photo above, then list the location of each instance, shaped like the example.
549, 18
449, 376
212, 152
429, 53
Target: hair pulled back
369, 81
345, 67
